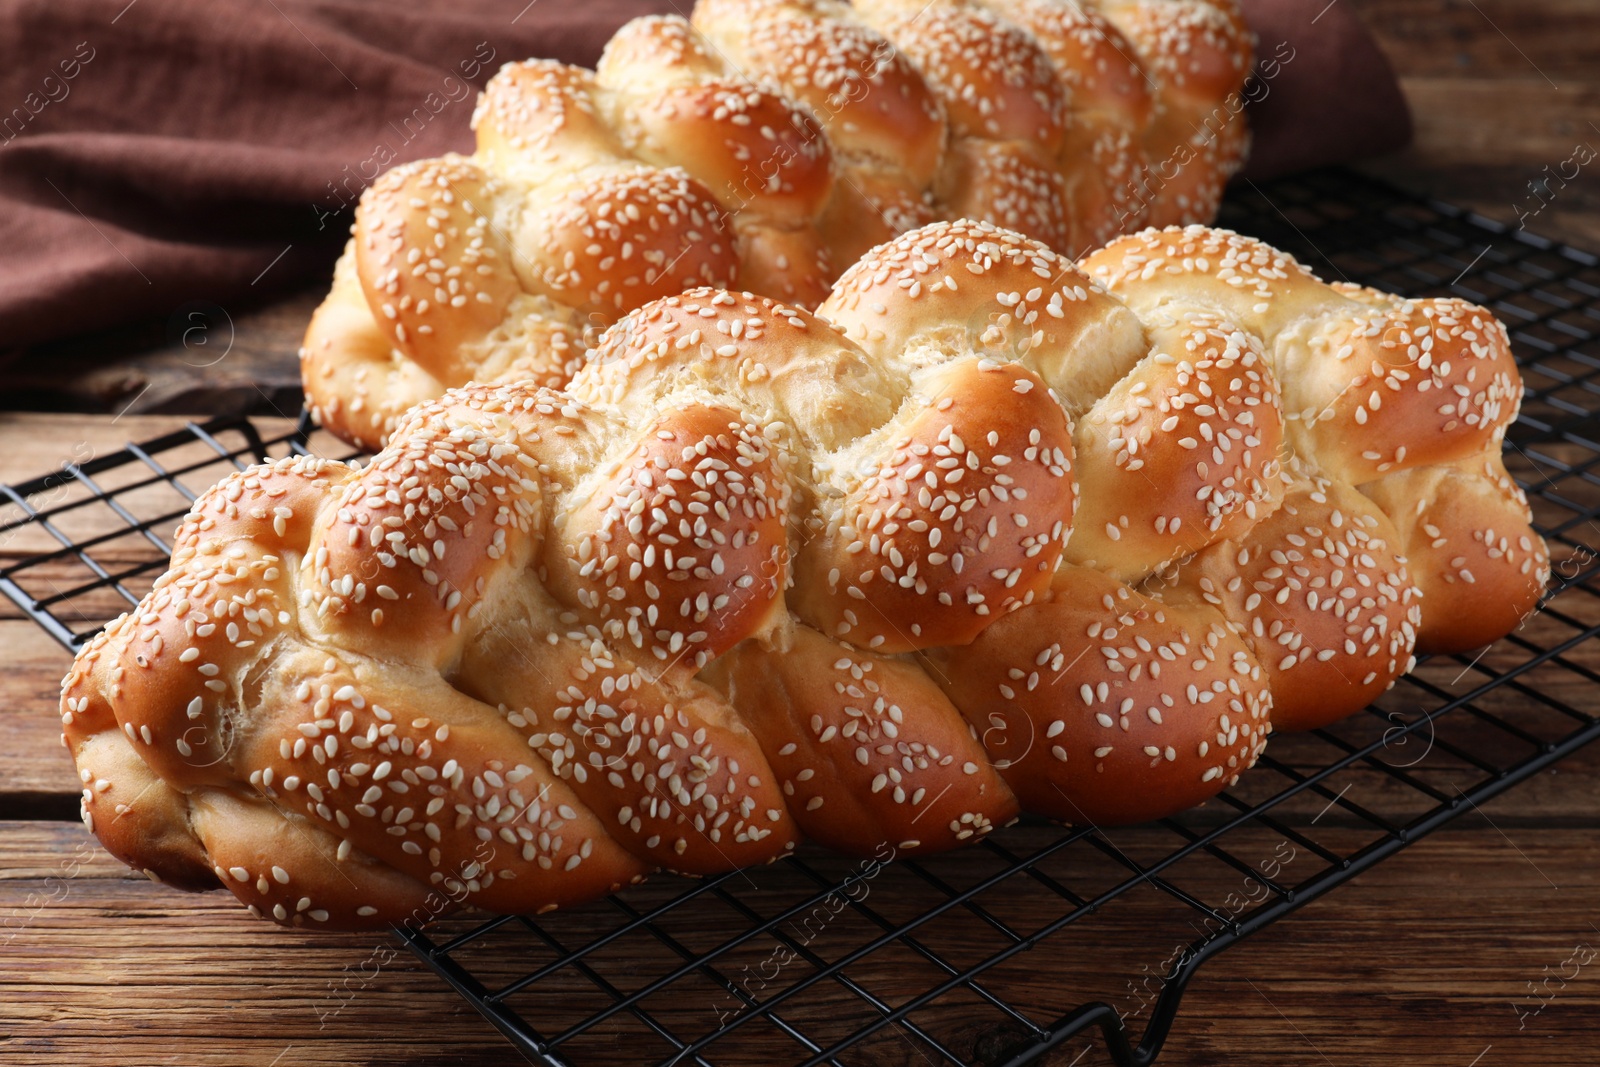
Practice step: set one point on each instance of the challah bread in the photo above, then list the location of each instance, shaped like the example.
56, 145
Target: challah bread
1407, 400
885, 124
767, 145
986, 534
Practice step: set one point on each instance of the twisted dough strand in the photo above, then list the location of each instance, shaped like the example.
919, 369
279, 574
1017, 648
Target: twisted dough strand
766, 145
988, 534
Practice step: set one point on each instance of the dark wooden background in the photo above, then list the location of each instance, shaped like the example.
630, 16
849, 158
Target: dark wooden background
1422, 961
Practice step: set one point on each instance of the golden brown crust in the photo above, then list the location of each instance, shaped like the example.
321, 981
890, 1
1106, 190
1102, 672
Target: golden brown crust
868, 750
1425, 381
1091, 56
793, 265
1011, 183
1325, 600
1182, 452
967, 285
959, 515
993, 79
860, 89
611, 240
137, 816
766, 144
687, 125
1105, 706
1407, 400
543, 115
1463, 528
1198, 52
642, 536
979, 537
869, 207
357, 384
430, 263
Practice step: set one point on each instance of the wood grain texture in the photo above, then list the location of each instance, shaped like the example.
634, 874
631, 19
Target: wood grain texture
1500, 90
1438, 957
35, 771
1428, 959
201, 358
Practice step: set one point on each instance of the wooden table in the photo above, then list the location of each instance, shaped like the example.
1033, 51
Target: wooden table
1428, 959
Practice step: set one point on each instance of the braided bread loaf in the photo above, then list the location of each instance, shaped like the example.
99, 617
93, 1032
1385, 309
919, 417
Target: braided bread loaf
988, 534
768, 145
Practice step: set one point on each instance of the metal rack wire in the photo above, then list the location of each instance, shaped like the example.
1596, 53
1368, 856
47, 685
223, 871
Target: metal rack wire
970, 957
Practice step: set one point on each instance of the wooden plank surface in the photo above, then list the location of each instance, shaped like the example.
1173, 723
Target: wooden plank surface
1500, 90
1475, 948
1428, 958
35, 771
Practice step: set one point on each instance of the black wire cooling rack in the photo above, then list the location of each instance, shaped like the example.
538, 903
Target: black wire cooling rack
998, 955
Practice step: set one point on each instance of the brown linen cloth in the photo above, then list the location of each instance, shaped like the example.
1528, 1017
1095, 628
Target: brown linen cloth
162, 152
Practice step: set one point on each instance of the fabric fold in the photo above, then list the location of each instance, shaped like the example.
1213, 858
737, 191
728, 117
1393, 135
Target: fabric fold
167, 151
